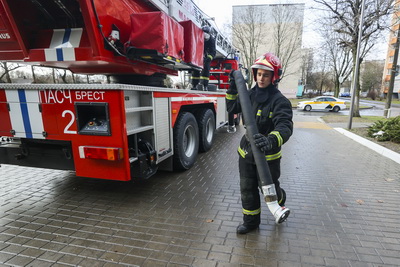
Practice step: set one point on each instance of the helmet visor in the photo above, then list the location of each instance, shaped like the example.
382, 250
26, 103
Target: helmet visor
260, 66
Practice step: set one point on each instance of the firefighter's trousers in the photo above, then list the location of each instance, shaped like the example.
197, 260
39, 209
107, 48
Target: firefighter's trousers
203, 76
250, 190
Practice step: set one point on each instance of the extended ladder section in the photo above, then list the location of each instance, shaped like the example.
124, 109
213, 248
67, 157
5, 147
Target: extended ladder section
185, 9
107, 37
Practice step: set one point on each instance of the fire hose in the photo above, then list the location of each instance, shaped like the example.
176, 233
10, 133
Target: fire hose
265, 180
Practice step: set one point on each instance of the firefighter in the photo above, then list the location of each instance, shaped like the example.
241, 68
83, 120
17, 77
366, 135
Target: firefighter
202, 78
273, 114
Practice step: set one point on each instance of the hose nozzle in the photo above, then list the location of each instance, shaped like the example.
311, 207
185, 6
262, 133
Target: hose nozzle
270, 197
280, 213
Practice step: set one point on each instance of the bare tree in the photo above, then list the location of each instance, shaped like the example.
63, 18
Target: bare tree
6, 68
248, 33
73, 77
287, 32
346, 16
339, 57
307, 63
53, 74
320, 76
63, 75
33, 74
324, 73
371, 75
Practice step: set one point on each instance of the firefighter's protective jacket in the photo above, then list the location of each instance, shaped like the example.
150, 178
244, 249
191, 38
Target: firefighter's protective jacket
273, 114
210, 48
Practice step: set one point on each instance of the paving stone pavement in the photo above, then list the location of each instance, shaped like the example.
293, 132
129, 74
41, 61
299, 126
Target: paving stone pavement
343, 199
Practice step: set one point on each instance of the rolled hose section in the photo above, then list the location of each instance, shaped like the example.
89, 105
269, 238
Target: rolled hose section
265, 179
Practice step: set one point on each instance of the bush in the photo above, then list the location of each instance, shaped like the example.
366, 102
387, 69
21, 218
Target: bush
386, 130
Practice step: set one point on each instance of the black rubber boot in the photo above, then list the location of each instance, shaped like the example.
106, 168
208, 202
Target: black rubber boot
250, 223
244, 228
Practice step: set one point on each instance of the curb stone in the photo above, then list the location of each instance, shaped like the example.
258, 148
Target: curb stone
377, 148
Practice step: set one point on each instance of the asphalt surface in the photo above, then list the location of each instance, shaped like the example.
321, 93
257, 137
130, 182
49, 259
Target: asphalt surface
376, 108
344, 200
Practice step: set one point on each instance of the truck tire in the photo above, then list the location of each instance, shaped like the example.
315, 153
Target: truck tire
186, 141
206, 122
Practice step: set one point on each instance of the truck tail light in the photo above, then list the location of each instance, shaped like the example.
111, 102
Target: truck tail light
96, 152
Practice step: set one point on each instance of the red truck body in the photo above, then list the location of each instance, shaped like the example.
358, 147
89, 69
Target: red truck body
110, 131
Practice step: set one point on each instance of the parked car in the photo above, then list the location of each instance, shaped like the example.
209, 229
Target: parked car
345, 94
328, 94
322, 103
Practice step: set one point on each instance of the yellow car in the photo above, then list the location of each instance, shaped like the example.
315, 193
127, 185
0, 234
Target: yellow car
322, 103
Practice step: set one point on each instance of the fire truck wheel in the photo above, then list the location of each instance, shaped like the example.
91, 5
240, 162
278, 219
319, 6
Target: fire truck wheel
186, 141
206, 122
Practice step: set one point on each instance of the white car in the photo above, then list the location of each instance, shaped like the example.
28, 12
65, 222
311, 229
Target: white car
322, 103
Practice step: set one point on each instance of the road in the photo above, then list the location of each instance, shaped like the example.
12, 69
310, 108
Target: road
376, 110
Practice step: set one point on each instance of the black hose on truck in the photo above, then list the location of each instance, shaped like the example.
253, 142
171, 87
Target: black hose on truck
265, 180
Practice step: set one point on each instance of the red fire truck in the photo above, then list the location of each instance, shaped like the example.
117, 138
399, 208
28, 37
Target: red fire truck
123, 130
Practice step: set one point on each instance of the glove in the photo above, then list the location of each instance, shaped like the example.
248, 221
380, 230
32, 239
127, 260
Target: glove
232, 85
264, 143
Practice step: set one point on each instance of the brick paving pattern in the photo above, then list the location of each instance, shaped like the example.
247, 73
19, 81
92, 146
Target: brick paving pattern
344, 200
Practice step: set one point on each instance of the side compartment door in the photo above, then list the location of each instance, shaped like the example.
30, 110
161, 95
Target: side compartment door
25, 113
222, 114
163, 129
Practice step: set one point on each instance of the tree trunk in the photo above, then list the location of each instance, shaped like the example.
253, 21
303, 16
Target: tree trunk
33, 74
337, 87
54, 75
73, 78
64, 77
7, 71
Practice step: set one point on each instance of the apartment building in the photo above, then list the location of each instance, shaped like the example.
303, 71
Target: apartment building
390, 56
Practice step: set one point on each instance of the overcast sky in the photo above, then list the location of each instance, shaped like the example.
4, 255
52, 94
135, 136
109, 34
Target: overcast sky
221, 10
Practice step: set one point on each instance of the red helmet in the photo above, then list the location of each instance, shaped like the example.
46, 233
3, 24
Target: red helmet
270, 62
